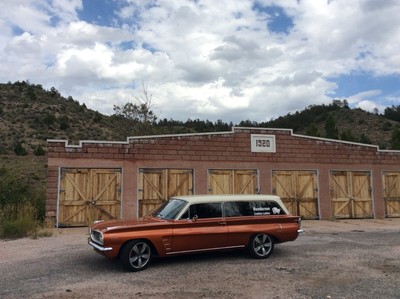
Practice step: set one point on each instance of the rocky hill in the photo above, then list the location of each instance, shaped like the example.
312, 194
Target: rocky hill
29, 115
338, 121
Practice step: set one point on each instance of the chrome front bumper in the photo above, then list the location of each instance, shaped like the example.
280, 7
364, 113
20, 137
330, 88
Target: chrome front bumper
300, 231
98, 247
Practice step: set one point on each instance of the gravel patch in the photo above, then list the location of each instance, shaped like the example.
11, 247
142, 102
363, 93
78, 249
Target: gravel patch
332, 259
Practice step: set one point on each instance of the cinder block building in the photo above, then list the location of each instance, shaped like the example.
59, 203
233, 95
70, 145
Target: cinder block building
317, 178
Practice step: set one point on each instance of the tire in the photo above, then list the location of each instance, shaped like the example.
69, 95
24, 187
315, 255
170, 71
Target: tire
136, 255
261, 246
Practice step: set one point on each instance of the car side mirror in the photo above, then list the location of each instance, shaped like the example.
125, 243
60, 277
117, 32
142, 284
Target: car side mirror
195, 217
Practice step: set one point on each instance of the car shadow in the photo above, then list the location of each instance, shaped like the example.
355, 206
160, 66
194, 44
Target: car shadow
205, 259
98, 263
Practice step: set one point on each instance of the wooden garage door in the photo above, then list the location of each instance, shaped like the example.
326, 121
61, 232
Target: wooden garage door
391, 187
351, 194
87, 195
158, 185
298, 190
229, 181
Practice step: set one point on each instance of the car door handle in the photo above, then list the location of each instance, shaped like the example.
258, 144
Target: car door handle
222, 223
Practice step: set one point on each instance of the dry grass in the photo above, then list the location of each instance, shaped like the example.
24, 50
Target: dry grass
19, 221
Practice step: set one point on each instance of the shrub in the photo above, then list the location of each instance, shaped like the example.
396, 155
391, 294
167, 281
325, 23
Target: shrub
49, 119
387, 126
365, 139
347, 135
19, 150
22, 205
22, 224
64, 122
39, 151
3, 150
395, 141
97, 117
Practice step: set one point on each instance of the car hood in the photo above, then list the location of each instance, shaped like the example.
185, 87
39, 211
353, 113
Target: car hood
123, 224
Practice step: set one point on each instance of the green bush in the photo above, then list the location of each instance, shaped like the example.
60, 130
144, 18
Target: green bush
12, 188
22, 205
39, 151
19, 150
22, 224
3, 150
395, 141
63, 122
49, 119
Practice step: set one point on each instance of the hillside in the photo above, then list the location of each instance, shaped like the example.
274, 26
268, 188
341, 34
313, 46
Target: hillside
29, 115
346, 124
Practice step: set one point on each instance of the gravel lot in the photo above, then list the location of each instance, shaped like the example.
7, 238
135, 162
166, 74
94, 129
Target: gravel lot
332, 259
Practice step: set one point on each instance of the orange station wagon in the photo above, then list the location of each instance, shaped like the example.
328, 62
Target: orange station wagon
192, 224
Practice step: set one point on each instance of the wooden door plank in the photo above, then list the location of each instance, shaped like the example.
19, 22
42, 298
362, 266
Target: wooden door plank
249, 177
289, 193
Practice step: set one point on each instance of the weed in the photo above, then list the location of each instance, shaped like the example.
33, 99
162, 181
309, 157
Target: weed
21, 224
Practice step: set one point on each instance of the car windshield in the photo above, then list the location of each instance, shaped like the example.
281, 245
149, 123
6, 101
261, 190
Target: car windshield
170, 209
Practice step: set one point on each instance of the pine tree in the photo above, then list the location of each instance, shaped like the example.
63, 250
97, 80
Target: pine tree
331, 130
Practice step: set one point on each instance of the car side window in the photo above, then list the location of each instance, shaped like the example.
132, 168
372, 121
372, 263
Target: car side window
205, 210
276, 209
256, 208
234, 209
185, 215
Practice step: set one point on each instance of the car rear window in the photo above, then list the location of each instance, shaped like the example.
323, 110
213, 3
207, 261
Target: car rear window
254, 208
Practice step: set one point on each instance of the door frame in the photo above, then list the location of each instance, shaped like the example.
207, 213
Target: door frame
57, 224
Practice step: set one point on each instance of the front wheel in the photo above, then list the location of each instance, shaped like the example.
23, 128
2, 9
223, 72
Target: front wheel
136, 255
261, 246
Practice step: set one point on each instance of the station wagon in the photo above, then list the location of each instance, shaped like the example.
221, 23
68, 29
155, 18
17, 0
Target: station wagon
193, 224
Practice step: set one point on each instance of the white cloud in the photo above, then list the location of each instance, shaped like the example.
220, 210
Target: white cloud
364, 101
201, 59
370, 106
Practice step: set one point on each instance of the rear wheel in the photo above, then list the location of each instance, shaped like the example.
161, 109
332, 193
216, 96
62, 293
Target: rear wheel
136, 255
261, 246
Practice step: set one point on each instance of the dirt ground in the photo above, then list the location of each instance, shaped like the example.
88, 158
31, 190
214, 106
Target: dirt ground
332, 259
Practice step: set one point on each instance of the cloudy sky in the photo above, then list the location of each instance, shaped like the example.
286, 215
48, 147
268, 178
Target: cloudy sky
209, 59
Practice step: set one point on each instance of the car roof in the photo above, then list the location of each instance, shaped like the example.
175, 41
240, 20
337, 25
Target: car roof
228, 197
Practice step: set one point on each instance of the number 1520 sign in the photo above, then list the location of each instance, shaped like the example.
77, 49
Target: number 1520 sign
263, 143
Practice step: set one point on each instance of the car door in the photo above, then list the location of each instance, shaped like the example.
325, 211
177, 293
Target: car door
201, 228
244, 219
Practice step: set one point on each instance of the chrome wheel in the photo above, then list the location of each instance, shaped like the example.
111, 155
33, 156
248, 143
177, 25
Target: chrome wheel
136, 255
261, 246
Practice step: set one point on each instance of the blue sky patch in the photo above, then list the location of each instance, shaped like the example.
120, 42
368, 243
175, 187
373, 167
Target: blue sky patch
276, 18
100, 12
127, 45
17, 30
352, 84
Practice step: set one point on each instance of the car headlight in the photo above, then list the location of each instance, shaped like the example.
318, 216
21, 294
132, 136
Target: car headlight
97, 236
